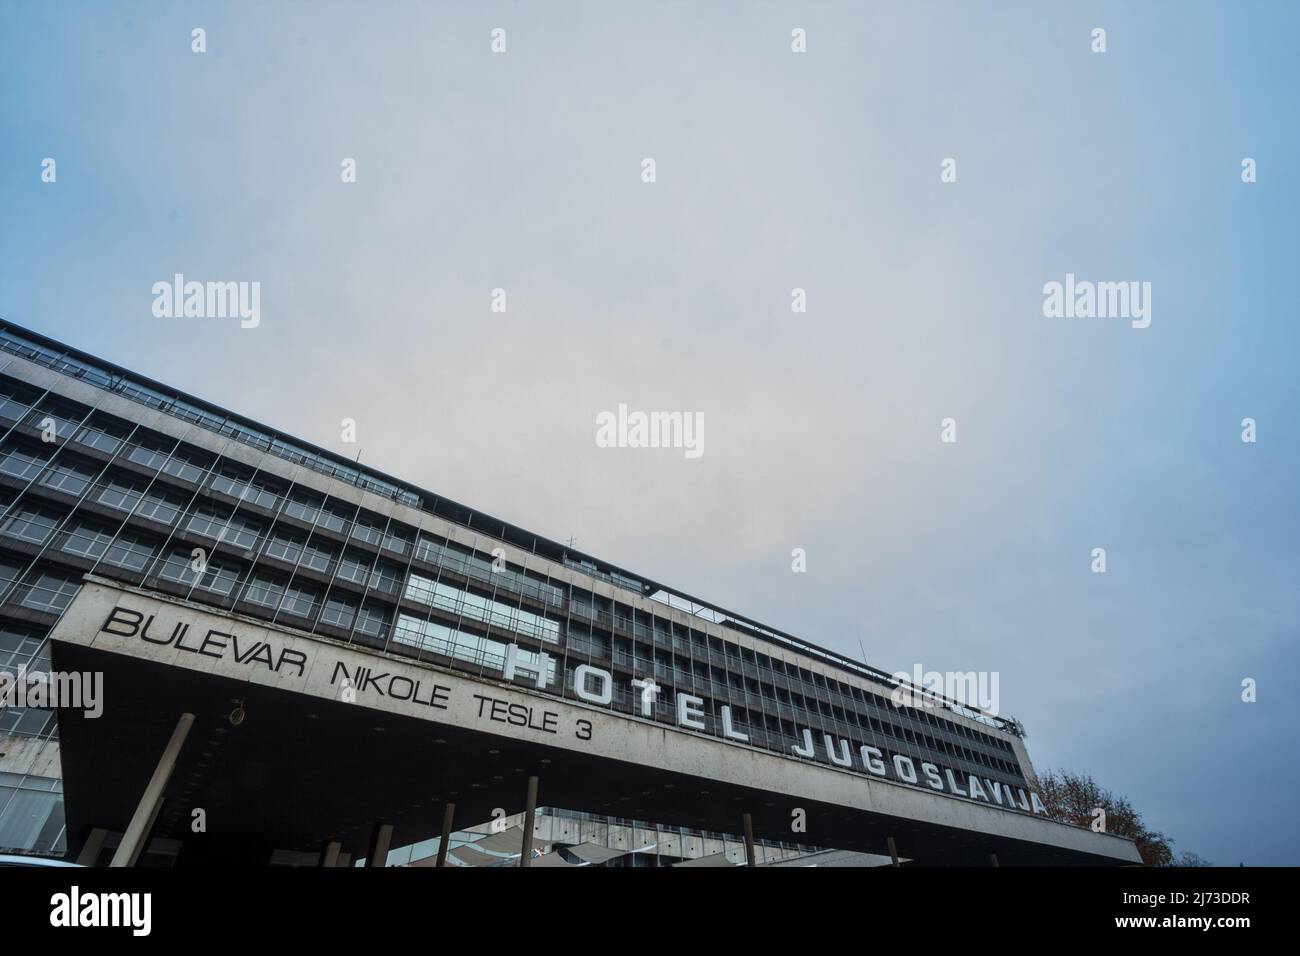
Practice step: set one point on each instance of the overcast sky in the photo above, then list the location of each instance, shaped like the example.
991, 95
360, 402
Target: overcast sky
774, 170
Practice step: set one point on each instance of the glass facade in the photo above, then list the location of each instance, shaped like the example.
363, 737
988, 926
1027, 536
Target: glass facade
85, 488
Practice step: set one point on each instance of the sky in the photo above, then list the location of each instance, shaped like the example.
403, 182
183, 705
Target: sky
774, 170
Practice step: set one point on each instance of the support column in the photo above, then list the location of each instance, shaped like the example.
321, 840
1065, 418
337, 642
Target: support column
91, 848
447, 816
749, 838
330, 855
530, 817
893, 850
993, 860
380, 838
128, 851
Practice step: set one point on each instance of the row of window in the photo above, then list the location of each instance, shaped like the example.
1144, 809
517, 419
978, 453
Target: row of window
17, 398
215, 521
242, 533
14, 342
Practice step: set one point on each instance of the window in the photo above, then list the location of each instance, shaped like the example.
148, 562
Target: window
130, 551
178, 567
63, 425
12, 405
367, 532
185, 465
302, 509
397, 541
219, 578
9, 573
66, 478
160, 507
386, 577
18, 649
28, 524
300, 601
265, 591
449, 642
317, 558
263, 495
99, 438
285, 549
426, 591
87, 540
353, 568
21, 463
148, 456
34, 820
231, 482
208, 523
372, 620
242, 533
338, 612
51, 593
121, 495
332, 520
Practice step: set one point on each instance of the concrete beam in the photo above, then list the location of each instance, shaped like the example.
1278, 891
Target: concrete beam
530, 822
146, 811
381, 837
445, 838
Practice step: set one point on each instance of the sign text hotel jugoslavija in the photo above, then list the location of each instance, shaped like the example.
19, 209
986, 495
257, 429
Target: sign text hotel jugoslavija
591, 684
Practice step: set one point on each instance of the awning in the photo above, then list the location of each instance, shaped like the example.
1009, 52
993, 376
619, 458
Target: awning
510, 840
717, 859
595, 853
469, 856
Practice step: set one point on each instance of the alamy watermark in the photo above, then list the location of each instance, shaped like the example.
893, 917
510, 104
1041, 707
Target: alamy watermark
928, 690
208, 300
625, 429
1082, 299
69, 690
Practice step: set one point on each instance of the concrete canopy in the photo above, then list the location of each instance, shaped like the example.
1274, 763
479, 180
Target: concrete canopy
308, 765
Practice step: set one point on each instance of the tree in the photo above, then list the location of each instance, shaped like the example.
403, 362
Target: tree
1075, 798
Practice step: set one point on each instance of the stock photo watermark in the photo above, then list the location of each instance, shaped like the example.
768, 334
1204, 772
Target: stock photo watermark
928, 690
635, 429
65, 690
208, 300
1083, 299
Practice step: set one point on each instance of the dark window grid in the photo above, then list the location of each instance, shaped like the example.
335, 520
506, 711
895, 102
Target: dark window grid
55, 459
428, 610
563, 651
456, 619
326, 598
547, 596
262, 498
321, 536
257, 564
460, 615
64, 426
49, 589
324, 595
184, 410
177, 527
248, 558
7, 593
12, 407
